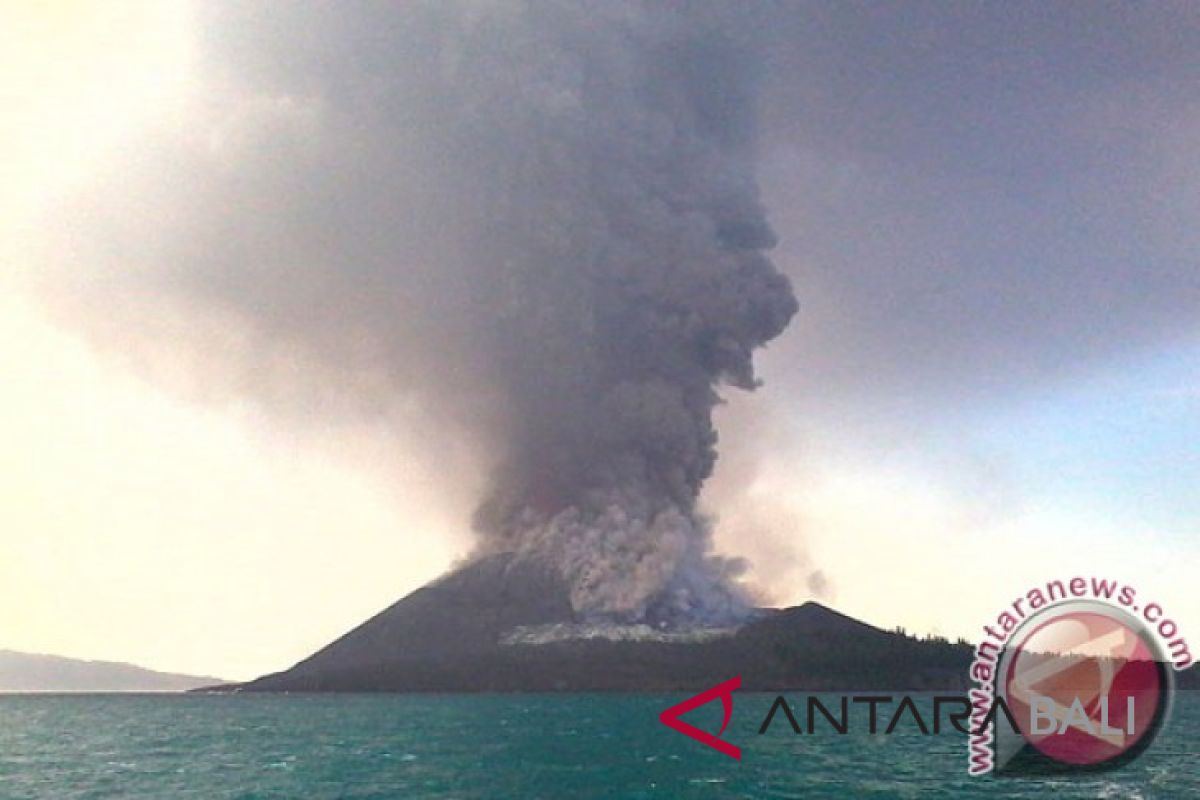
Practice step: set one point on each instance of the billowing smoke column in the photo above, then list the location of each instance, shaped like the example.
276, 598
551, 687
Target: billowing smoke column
539, 220
635, 285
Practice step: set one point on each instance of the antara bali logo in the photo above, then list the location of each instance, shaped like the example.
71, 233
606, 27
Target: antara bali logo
1074, 676
671, 717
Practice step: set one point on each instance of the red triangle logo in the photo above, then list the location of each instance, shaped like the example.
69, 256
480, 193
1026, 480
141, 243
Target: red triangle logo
671, 717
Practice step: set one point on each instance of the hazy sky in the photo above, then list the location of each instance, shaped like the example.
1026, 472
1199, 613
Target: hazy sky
990, 217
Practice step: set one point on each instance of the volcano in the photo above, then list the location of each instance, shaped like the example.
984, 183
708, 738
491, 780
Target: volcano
505, 623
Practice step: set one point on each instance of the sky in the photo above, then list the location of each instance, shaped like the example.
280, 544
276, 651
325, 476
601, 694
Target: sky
988, 214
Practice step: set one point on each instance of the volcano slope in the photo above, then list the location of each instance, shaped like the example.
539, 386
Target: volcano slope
506, 624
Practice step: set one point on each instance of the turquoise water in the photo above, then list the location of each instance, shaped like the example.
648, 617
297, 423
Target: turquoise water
502, 746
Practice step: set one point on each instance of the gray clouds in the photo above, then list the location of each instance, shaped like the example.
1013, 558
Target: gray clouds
977, 198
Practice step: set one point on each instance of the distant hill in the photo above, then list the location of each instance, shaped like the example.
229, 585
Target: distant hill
30, 672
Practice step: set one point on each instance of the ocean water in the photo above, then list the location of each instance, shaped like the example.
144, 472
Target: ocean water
568, 747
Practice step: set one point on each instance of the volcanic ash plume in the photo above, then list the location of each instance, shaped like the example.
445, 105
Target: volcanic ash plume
632, 248
539, 221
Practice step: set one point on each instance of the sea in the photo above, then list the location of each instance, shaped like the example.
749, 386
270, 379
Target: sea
566, 747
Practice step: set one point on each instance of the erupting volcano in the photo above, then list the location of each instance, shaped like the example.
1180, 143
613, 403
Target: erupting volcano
568, 265
595, 262
540, 234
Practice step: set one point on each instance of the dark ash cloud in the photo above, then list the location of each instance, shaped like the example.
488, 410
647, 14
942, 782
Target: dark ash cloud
538, 223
